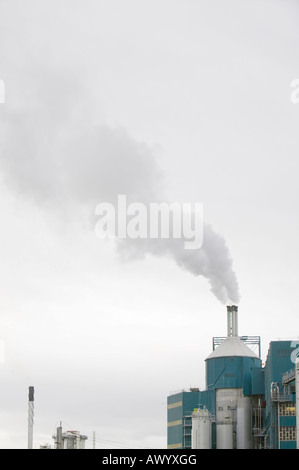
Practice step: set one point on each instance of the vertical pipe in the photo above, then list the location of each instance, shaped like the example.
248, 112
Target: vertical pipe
30, 417
77, 440
232, 321
59, 443
229, 321
235, 320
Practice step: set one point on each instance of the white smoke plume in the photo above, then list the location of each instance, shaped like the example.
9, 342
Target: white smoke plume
59, 152
211, 261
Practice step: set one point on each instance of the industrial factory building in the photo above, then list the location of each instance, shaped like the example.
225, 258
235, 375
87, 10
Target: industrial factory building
245, 405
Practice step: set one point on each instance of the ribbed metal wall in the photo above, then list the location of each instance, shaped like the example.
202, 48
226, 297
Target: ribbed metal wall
231, 372
180, 407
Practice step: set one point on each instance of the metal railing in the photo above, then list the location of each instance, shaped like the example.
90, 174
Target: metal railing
248, 340
277, 396
288, 377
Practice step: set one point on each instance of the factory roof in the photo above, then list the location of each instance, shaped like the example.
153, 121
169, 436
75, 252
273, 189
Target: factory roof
232, 346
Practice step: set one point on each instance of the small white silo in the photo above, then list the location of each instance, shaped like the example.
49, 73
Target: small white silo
243, 425
201, 437
225, 436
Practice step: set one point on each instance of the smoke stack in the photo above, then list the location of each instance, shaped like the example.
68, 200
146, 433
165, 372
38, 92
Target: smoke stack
30, 417
59, 437
232, 321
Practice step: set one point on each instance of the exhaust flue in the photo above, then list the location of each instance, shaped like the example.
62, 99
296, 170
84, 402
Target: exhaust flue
232, 321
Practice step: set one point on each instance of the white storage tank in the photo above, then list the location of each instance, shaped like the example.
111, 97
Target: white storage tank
232, 407
201, 437
244, 423
225, 435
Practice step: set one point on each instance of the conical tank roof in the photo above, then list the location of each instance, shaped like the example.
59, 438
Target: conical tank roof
232, 346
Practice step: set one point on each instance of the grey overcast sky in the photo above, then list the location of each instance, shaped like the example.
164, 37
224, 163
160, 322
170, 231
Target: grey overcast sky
175, 100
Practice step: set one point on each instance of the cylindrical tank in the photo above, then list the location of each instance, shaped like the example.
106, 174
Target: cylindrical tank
244, 423
225, 435
201, 437
226, 407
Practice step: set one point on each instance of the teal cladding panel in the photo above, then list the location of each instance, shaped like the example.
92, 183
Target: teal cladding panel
175, 435
174, 398
175, 413
258, 381
288, 444
287, 420
207, 399
180, 433
231, 372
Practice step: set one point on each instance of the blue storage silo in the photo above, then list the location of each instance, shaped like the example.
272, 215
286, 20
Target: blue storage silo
229, 374
230, 366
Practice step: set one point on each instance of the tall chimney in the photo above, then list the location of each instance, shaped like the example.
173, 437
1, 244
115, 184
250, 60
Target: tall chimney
232, 320
30, 417
59, 438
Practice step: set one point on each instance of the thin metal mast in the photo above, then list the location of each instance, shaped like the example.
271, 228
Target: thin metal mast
30, 417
